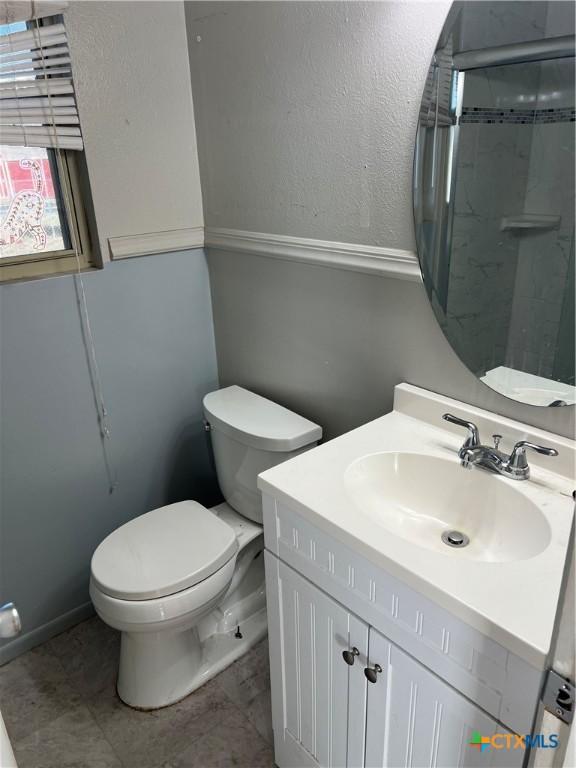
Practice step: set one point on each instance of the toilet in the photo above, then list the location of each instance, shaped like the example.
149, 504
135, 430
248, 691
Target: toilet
185, 584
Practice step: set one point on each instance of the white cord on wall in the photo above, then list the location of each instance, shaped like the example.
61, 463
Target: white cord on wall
93, 367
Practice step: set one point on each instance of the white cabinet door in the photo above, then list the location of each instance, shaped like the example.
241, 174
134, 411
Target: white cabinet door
318, 700
416, 719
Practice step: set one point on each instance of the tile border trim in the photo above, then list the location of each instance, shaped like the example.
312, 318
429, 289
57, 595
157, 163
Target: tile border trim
517, 115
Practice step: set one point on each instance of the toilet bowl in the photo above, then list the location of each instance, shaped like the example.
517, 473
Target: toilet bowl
185, 584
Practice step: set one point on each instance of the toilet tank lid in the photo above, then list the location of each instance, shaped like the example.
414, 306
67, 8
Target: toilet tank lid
258, 422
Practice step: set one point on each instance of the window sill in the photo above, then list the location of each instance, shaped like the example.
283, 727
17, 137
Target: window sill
38, 270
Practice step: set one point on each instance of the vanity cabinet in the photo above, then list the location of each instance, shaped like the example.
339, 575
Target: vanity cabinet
328, 713
438, 680
319, 700
416, 719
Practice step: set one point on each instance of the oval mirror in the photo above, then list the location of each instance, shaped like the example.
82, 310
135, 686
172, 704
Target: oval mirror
494, 194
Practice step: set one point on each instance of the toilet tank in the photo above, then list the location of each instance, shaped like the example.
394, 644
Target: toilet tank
249, 435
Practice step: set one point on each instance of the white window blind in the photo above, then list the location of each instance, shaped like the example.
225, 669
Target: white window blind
37, 102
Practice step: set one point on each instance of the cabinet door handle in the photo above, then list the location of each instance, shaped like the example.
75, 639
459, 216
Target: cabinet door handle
372, 673
349, 656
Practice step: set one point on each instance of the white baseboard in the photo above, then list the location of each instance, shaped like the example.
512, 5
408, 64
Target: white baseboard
129, 246
41, 634
388, 262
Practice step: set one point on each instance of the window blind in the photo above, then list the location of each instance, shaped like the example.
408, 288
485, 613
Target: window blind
37, 101
25, 10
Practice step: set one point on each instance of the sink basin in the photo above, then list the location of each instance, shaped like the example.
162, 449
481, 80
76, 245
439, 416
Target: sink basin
420, 497
389, 489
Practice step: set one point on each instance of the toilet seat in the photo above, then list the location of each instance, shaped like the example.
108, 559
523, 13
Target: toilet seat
163, 552
174, 611
163, 613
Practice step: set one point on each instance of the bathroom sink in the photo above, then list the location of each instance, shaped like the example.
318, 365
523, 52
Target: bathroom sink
438, 504
388, 490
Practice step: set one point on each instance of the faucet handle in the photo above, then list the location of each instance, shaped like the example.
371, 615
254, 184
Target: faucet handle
518, 458
473, 438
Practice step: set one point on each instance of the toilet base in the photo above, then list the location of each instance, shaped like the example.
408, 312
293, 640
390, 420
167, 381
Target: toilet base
160, 668
168, 651
157, 670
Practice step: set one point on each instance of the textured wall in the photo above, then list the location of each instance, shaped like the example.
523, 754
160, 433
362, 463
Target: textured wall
135, 100
152, 322
306, 115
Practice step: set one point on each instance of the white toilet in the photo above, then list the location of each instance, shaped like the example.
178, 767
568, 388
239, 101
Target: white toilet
185, 584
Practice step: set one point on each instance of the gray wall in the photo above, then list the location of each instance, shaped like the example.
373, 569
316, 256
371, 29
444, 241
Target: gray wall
152, 324
305, 116
332, 344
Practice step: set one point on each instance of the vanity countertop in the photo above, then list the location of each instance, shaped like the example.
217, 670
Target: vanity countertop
512, 602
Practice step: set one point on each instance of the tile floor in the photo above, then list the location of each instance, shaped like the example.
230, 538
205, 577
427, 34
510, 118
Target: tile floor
61, 710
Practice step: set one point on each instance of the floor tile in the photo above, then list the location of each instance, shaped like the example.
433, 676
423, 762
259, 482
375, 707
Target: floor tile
259, 712
63, 711
247, 678
233, 742
35, 691
89, 653
247, 682
146, 739
72, 741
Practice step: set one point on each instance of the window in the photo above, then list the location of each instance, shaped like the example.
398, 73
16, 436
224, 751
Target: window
42, 221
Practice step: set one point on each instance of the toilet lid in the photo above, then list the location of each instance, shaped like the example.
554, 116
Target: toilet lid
162, 552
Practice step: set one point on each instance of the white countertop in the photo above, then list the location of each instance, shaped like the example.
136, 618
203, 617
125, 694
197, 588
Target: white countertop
528, 388
514, 603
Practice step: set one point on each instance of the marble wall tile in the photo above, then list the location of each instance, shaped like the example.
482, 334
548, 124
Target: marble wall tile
501, 22
543, 257
556, 88
506, 288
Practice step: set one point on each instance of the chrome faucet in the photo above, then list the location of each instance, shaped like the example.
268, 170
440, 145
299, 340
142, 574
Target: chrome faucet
473, 453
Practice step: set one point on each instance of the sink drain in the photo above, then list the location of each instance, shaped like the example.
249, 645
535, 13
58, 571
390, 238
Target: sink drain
455, 539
